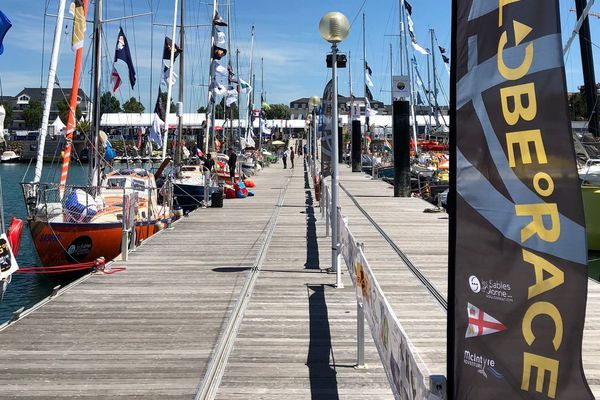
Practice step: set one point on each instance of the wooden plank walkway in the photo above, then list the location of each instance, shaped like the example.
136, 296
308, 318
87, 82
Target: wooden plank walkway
423, 238
298, 337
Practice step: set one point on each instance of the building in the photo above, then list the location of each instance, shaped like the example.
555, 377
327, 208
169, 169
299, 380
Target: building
20, 102
299, 107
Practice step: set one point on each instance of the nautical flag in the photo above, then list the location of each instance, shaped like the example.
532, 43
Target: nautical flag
446, 59
218, 89
369, 112
232, 95
219, 52
368, 80
408, 7
159, 107
218, 69
155, 129
231, 75
419, 99
219, 38
218, 20
442, 50
122, 53
369, 94
418, 48
167, 49
5, 25
368, 68
168, 77
244, 87
115, 79
481, 323
78, 12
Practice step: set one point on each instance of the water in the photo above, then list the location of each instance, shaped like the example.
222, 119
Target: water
27, 290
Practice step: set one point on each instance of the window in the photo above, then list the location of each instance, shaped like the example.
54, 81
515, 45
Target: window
23, 99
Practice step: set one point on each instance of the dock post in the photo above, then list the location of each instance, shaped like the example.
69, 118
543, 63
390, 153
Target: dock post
124, 244
401, 134
356, 144
360, 336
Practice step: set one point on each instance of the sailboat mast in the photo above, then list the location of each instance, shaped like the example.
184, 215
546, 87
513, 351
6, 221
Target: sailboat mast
262, 88
179, 148
73, 107
170, 82
401, 42
249, 128
435, 90
364, 76
229, 67
237, 73
410, 75
49, 91
211, 100
587, 64
95, 158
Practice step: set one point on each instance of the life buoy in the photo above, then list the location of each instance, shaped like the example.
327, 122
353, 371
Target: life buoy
14, 234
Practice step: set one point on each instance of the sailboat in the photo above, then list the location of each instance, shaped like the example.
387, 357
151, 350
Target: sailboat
193, 184
78, 224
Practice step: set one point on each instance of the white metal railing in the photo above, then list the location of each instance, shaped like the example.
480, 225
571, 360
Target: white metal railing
407, 373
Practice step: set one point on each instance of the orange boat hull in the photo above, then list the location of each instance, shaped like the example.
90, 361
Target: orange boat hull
70, 243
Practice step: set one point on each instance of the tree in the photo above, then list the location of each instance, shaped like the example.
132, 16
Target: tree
32, 115
232, 112
109, 104
8, 118
278, 111
133, 106
64, 109
201, 110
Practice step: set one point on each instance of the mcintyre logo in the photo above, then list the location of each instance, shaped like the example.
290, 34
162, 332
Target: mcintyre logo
492, 289
483, 364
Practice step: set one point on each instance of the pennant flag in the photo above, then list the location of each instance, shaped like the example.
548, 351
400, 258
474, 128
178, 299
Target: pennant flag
368, 80
369, 70
122, 53
5, 25
218, 69
244, 87
219, 38
115, 79
219, 52
155, 129
442, 50
79, 24
369, 112
218, 20
369, 94
446, 59
159, 107
167, 49
481, 323
408, 7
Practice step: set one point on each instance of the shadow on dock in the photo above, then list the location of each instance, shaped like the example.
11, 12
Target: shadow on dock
323, 380
312, 245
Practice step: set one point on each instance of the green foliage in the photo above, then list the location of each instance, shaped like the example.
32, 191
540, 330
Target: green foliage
133, 106
63, 111
201, 110
577, 107
32, 115
278, 111
109, 104
232, 112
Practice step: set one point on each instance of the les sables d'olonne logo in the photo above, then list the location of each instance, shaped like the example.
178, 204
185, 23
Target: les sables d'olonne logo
491, 289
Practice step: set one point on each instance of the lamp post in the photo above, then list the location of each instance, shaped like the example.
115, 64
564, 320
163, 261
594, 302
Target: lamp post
334, 27
314, 103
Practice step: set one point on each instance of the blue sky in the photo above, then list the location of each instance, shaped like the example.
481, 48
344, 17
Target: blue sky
287, 38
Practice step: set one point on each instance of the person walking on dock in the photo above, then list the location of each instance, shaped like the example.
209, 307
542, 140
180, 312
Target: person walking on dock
209, 163
232, 162
292, 155
284, 158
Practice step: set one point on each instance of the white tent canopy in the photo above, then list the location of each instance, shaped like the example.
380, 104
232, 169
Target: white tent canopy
58, 125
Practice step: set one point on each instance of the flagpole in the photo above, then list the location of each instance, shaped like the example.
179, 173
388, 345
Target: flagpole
211, 100
251, 94
179, 144
365, 84
410, 74
435, 93
230, 135
237, 72
400, 43
262, 88
170, 82
49, 91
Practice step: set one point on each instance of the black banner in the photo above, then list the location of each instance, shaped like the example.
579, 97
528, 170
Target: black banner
326, 131
518, 278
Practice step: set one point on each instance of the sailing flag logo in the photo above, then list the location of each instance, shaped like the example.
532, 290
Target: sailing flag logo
115, 79
77, 10
481, 323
